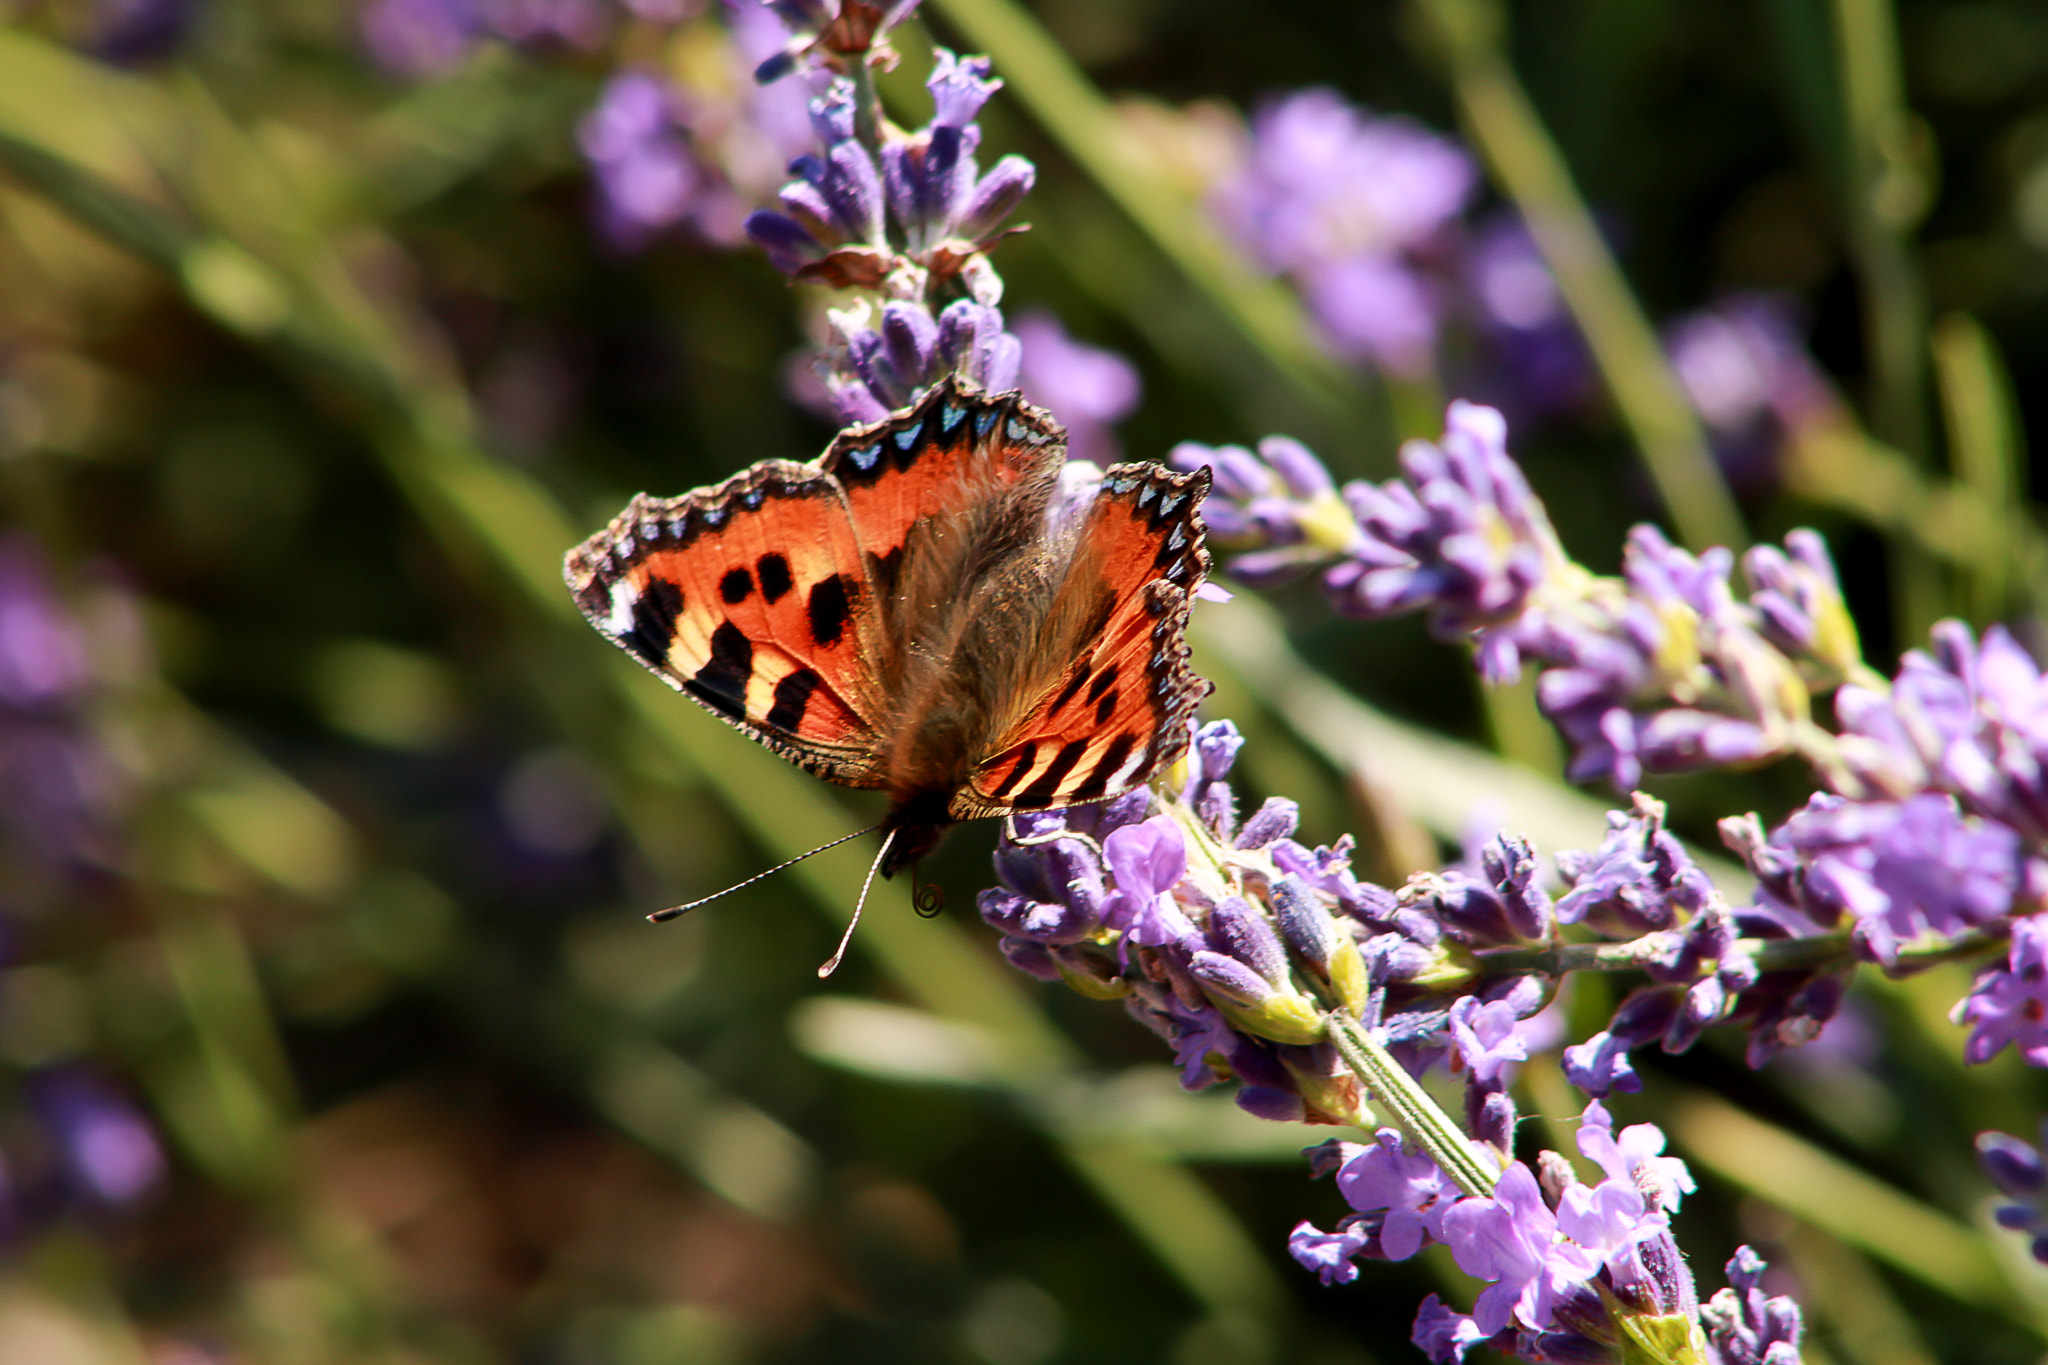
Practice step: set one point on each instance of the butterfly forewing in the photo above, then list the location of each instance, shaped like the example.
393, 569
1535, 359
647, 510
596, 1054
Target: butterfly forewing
749, 596
1118, 690
958, 448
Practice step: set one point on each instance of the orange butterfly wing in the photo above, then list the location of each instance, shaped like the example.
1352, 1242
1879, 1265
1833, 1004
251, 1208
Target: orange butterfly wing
1116, 706
956, 449
749, 598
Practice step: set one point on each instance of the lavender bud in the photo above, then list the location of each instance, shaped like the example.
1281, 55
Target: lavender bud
1229, 978
1304, 924
1238, 929
1276, 819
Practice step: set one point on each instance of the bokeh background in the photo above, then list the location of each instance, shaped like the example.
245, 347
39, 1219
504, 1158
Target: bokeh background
330, 1029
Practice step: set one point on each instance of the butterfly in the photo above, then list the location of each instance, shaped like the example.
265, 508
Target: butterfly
920, 611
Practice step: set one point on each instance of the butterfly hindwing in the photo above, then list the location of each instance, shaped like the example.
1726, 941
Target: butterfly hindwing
750, 597
1113, 706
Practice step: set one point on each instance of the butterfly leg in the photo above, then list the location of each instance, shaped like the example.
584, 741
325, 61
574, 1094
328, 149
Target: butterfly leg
1049, 837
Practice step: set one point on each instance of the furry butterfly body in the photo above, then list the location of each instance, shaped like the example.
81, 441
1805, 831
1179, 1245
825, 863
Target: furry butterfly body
919, 611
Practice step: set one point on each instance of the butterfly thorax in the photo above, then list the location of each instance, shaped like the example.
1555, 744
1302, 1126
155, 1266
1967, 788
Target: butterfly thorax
969, 610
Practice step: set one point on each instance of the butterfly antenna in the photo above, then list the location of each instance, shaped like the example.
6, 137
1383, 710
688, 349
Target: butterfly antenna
832, 963
663, 916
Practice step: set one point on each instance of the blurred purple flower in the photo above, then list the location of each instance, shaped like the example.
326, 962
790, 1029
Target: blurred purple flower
1344, 202
648, 178
1750, 377
59, 791
134, 32
2016, 1168
1087, 388
107, 1150
664, 156
1535, 363
420, 39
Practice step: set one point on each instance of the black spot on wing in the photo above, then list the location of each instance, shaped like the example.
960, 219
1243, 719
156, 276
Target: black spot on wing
1067, 693
735, 587
1104, 680
1106, 767
1106, 708
792, 696
722, 682
773, 571
1045, 789
654, 620
830, 607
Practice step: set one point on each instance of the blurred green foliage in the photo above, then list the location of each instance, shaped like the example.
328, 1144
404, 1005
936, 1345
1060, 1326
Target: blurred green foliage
309, 375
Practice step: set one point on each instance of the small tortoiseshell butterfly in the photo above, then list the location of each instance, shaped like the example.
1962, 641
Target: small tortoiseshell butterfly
913, 613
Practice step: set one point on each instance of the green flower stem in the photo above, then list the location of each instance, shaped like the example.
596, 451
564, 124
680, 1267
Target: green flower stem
867, 109
1409, 1105
1769, 954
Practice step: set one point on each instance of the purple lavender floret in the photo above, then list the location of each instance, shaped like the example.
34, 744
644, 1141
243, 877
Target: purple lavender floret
882, 364
1746, 1326
935, 190
1495, 904
2009, 1003
851, 222
1900, 870
1400, 1196
1446, 1335
1639, 879
1462, 537
1279, 507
